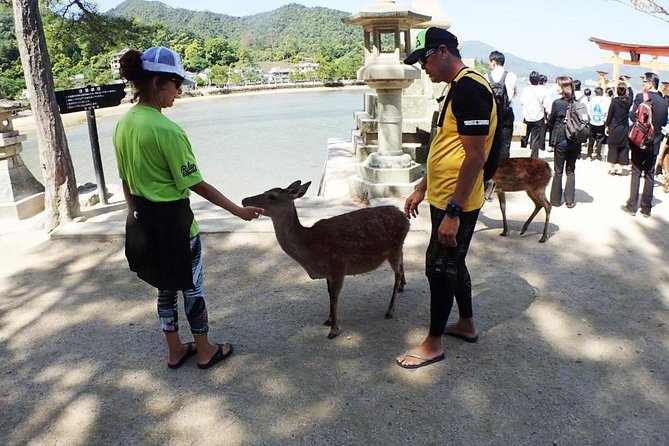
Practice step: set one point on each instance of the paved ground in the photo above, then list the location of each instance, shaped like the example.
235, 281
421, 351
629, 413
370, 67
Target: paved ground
573, 350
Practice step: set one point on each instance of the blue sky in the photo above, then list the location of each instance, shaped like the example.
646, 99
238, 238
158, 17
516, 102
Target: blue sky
541, 31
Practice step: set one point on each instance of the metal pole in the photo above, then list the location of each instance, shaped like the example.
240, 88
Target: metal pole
97, 159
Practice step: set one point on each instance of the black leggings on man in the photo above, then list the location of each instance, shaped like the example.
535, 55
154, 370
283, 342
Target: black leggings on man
447, 272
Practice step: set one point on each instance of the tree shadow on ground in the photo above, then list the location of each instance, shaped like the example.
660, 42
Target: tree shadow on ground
572, 349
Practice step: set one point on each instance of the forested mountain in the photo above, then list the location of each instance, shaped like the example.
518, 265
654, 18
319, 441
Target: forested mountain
228, 49
309, 32
289, 31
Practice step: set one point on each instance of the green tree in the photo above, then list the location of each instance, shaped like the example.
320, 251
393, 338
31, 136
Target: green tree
481, 66
348, 65
218, 74
11, 72
218, 51
195, 57
327, 70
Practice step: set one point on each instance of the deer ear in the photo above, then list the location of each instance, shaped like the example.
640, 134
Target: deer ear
294, 185
303, 189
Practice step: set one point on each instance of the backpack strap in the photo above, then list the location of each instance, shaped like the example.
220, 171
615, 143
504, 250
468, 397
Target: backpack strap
503, 82
447, 99
488, 77
490, 165
646, 98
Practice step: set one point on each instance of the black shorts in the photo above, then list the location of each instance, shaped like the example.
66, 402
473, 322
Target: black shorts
441, 261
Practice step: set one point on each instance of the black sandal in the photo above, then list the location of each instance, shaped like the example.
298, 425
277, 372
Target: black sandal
218, 356
190, 352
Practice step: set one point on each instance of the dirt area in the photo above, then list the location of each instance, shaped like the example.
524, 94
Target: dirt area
573, 349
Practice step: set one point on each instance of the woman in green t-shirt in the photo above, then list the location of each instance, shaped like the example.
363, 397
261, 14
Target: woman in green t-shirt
158, 170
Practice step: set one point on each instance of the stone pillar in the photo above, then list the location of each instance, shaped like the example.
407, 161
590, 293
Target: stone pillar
21, 195
389, 109
389, 171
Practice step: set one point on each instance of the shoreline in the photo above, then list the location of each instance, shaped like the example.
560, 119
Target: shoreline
26, 124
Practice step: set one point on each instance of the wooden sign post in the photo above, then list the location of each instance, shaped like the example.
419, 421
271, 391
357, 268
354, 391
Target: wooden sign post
88, 99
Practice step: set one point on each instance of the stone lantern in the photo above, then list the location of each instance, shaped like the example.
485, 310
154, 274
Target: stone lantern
386, 27
21, 195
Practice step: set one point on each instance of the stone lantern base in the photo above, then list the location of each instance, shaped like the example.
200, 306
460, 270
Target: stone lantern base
361, 189
21, 195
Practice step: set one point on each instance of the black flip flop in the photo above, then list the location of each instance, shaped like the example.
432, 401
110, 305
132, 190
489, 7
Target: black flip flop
189, 354
218, 356
462, 337
426, 361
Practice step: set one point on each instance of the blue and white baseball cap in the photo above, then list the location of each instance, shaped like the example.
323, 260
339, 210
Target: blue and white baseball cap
159, 59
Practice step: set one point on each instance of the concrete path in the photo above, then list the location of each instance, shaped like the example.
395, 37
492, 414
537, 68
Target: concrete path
573, 349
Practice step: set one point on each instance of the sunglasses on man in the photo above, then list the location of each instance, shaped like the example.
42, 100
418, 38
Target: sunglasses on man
423, 59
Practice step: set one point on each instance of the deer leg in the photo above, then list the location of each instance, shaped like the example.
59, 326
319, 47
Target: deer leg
540, 200
403, 281
502, 206
398, 268
334, 288
547, 209
537, 206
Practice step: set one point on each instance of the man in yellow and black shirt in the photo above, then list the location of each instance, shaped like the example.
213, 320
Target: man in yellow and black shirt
454, 188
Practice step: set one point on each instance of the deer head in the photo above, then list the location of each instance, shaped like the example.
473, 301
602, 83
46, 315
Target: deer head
277, 198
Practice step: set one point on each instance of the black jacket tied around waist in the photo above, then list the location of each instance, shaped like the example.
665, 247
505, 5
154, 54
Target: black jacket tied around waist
157, 242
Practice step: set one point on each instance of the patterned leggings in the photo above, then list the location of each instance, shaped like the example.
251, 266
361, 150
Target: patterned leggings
194, 304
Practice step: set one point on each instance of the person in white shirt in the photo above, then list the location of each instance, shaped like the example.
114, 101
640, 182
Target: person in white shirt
533, 113
552, 93
585, 99
497, 73
599, 107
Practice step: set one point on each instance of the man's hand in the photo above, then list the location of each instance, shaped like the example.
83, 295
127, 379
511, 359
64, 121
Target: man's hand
412, 202
448, 229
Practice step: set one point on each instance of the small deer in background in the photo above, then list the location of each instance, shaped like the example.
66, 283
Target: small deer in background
529, 174
663, 166
353, 243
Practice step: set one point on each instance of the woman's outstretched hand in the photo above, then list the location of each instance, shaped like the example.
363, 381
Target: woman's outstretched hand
248, 213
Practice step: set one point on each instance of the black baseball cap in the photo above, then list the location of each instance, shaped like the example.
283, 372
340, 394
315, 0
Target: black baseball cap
429, 39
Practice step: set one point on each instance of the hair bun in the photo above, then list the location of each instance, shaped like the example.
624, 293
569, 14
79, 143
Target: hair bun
131, 65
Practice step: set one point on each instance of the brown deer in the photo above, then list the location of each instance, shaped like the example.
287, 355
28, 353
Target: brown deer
529, 174
663, 166
353, 243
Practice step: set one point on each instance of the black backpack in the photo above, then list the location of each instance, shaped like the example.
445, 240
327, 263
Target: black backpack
577, 122
490, 166
501, 95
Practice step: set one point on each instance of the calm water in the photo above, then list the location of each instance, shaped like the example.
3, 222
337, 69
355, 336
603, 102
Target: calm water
244, 144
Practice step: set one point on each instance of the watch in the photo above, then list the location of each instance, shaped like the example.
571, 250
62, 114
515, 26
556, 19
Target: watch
453, 209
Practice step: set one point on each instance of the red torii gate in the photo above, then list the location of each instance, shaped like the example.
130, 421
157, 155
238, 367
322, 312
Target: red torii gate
635, 51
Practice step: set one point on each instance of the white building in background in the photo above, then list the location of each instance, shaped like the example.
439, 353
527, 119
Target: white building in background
278, 74
307, 67
116, 61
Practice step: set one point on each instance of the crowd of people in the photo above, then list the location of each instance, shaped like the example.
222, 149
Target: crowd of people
612, 109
